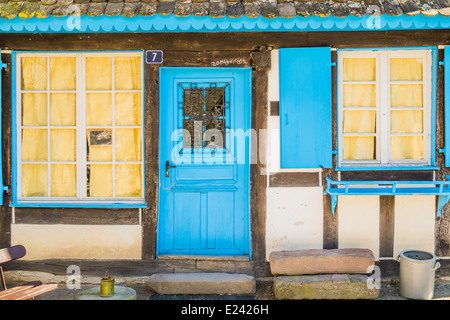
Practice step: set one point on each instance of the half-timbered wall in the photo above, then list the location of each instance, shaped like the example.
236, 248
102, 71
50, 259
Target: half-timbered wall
288, 209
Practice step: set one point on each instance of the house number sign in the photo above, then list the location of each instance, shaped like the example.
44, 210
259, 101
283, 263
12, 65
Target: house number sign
153, 56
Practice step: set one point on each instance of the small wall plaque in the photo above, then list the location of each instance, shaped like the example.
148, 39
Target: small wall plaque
153, 56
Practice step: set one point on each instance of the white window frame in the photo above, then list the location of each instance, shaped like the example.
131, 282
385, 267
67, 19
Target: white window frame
382, 81
81, 130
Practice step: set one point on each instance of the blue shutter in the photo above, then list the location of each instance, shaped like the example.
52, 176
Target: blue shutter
446, 149
305, 108
2, 65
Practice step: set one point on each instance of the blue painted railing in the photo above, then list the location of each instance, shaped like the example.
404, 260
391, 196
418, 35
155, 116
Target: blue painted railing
390, 188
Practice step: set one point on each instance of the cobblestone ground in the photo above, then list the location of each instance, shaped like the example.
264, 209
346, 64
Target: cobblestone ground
388, 291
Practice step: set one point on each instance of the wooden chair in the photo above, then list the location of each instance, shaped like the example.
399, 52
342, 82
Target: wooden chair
24, 292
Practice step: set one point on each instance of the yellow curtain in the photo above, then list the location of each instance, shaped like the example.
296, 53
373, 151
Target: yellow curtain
63, 180
127, 73
34, 109
128, 180
360, 95
407, 147
98, 73
100, 180
63, 144
359, 148
407, 121
63, 71
359, 69
128, 109
34, 145
98, 109
406, 69
406, 95
63, 109
359, 121
34, 180
128, 145
34, 73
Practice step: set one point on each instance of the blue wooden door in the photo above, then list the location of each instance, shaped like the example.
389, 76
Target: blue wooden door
204, 161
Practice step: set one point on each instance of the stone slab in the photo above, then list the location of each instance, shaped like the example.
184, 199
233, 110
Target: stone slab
202, 283
324, 286
321, 261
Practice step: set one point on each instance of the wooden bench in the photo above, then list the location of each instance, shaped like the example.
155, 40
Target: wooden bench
24, 292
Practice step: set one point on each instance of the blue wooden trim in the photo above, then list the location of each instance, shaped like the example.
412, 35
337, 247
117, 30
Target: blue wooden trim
171, 23
446, 65
14, 125
112, 205
2, 187
75, 203
434, 66
391, 188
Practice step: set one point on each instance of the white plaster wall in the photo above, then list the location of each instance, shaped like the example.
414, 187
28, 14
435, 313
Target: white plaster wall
294, 219
78, 241
359, 222
414, 223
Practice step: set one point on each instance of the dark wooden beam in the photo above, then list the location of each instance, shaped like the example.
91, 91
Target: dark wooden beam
220, 41
258, 178
151, 140
387, 223
86, 216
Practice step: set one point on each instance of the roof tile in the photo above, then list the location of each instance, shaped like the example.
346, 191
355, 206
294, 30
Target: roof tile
10, 9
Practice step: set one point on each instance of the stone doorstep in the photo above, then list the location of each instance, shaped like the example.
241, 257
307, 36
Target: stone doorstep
202, 283
321, 261
324, 286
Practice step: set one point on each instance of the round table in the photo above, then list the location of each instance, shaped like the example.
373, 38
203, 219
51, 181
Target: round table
120, 293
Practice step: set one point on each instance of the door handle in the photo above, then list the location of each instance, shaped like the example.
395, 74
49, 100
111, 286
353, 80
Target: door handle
168, 167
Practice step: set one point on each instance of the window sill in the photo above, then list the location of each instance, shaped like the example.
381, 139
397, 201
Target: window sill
378, 168
110, 205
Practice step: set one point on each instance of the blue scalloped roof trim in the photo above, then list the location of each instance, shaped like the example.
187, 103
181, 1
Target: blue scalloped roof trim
171, 23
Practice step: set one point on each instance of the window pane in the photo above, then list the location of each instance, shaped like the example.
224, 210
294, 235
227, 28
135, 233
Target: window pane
128, 109
99, 145
63, 144
128, 145
63, 109
406, 69
359, 121
359, 69
100, 180
34, 109
359, 148
34, 73
408, 121
406, 95
63, 73
34, 144
34, 180
63, 180
127, 74
128, 180
98, 109
360, 95
407, 147
98, 73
